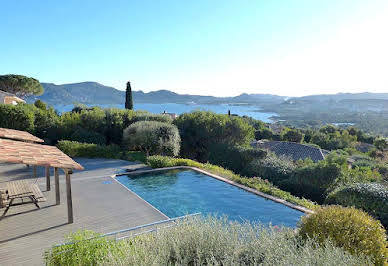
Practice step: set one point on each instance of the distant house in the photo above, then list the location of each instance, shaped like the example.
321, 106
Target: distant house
295, 151
172, 115
9, 98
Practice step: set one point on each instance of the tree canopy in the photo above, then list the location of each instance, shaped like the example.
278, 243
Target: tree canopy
199, 130
20, 85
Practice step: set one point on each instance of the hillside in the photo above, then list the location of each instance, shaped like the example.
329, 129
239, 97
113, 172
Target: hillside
96, 93
84, 92
342, 96
368, 111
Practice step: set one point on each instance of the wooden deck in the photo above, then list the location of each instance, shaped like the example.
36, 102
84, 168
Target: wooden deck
99, 203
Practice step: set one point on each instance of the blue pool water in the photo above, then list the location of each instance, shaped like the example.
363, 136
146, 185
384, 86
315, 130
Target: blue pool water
181, 192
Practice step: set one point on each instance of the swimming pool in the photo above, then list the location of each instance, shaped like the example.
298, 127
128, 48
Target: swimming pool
181, 192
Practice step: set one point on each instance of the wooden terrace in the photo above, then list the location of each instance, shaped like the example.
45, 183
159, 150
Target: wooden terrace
99, 204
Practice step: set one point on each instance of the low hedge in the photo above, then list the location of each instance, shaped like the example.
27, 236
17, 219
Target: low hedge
275, 169
371, 197
88, 150
259, 184
86, 136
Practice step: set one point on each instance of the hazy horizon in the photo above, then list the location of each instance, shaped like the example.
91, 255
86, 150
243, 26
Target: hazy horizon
217, 48
286, 96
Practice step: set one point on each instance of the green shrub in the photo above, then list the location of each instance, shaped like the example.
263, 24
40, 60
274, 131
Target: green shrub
68, 123
383, 170
371, 197
293, 135
17, 117
234, 158
88, 249
361, 175
381, 143
255, 183
40, 104
348, 228
263, 133
152, 138
86, 136
273, 168
330, 138
116, 121
152, 117
88, 150
255, 123
46, 124
94, 120
314, 181
364, 163
199, 130
134, 156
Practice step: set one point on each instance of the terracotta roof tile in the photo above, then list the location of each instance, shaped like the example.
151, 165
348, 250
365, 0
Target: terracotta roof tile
18, 135
35, 154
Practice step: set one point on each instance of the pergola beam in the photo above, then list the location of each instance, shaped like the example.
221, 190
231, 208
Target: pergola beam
34, 171
57, 191
48, 185
69, 198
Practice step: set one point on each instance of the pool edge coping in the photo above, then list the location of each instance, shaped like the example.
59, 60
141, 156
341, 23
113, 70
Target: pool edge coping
223, 179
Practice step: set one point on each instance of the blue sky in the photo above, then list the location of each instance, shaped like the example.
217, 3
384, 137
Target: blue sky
210, 47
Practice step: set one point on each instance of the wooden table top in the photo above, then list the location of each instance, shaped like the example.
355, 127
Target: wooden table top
19, 188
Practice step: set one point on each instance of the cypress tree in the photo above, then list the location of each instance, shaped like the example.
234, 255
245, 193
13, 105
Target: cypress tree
128, 97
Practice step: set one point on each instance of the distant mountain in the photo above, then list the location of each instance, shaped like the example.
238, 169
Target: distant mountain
257, 98
342, 96
96, 93
84, 92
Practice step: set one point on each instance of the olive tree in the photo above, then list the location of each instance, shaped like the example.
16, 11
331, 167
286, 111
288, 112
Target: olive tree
153, 138
20, 85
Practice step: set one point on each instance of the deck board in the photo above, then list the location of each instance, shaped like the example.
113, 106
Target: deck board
98, 204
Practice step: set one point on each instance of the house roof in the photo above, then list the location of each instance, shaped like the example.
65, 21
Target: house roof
295, 151
18, 135
4, 94
12, 151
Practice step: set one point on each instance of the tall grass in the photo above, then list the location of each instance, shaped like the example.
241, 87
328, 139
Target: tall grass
213, 241
207, 241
